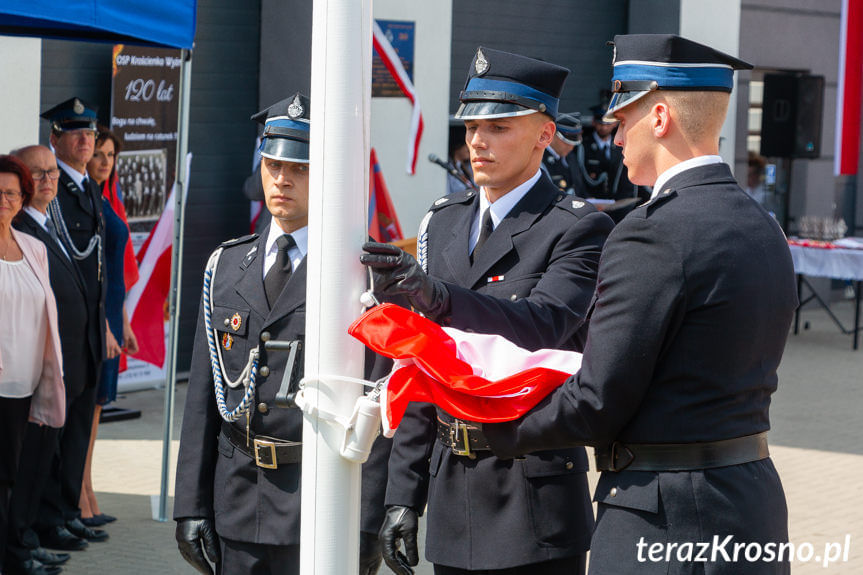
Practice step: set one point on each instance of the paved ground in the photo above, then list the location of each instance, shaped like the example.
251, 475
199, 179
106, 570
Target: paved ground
815, 441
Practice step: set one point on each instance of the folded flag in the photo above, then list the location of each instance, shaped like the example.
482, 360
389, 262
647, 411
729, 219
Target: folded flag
475, 377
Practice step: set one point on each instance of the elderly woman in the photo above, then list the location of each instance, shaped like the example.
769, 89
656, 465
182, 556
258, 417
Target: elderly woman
31, 368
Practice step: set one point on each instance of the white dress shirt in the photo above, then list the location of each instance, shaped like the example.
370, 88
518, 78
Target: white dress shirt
297, 251
76, 176
500, 208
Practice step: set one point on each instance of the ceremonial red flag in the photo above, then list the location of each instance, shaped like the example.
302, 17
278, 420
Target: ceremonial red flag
471, 376
383, 221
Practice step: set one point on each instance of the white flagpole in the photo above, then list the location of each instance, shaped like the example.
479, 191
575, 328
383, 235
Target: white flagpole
338, 186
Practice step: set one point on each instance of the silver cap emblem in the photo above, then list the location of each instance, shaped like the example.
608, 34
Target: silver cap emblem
481, 65
78, 107
295, 110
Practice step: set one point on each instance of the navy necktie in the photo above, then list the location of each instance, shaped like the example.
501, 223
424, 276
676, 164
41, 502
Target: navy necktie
278, 275
485, 230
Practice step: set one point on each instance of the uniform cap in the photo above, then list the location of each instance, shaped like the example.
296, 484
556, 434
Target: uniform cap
286, 130
569, 128
73, 114
502, 85
647, 62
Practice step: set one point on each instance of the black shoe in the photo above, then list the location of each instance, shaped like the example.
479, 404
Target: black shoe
30, 567
106, 518
45, 557
94, 521
78, 529
59, 537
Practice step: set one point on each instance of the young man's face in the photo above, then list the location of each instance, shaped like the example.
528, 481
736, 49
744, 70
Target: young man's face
503, 151
635, 136
286, 190
75, 147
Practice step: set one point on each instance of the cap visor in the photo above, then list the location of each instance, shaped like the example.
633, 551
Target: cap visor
620, 100
285, 150
488, 110
76, 125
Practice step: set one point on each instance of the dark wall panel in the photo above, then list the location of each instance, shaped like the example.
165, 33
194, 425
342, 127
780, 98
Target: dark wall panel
571, 34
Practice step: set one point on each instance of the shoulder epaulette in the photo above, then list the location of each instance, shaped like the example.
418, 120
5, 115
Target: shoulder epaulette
454, 198
238, 241
578, 206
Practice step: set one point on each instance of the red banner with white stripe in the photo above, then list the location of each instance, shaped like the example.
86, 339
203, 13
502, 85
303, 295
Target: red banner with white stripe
850, 89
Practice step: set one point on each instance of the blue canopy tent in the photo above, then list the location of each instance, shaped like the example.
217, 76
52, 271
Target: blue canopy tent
160, 23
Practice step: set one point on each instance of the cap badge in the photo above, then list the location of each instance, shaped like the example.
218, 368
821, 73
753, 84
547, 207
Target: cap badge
295, 110
236, 321
78, 107
481, 65
227, 341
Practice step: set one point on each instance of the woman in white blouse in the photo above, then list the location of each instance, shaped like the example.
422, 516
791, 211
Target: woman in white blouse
31, 370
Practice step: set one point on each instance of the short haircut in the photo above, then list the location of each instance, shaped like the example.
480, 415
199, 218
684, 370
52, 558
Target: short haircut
699, 114
11, 165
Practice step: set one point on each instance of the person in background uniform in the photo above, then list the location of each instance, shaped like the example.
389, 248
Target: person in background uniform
458, 157
518, 259
238, 470
76, 214
24, 554
31, 367
694, 300
560, 160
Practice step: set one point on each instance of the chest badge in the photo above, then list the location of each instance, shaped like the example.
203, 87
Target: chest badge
227, 341
236, 322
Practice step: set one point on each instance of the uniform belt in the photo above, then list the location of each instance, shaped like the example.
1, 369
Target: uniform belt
268, 452
461, 437
682, 456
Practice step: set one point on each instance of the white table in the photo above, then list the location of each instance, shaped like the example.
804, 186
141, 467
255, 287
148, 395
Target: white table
837, 263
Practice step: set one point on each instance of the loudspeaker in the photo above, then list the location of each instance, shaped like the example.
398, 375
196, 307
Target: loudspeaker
792, 112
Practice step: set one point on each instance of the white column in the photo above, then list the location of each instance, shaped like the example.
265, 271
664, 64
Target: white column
21, 67
338, 187
717, 24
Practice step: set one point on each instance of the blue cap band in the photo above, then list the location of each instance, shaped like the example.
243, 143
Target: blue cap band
477, 84
680, 77
287, 123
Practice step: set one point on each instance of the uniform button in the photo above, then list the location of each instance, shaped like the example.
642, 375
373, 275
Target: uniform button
264, 370
569, 465
613, 491
262, 407
513, 297
77, 224
227, 322
265, 336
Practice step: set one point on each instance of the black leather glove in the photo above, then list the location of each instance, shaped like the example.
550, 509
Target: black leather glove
400, 523
370, 553
395, 272
190, 533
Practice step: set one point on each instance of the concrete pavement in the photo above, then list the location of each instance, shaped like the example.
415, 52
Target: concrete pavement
815, 443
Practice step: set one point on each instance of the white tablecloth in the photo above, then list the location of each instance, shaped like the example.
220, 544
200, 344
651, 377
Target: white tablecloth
836, 263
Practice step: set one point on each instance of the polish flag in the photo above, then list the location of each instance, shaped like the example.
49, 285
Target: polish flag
474, 377
393, 63
145, 302
383, 221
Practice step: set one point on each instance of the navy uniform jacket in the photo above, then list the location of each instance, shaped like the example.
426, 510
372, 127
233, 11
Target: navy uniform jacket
79, 358
489, 513
565, 173
82, 213
216, 480
695, 297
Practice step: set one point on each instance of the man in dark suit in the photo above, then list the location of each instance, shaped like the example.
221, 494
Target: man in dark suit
518, 259
76, 215
24, 554
560, 160
695, 297
238, 470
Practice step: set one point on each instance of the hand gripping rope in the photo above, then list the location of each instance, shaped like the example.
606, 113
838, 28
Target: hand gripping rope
249, 373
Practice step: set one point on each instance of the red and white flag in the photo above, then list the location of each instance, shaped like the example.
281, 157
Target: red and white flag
393, 63
383, 222
145, 302
850, 88
471, 376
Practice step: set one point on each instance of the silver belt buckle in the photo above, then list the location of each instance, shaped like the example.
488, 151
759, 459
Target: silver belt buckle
458, 436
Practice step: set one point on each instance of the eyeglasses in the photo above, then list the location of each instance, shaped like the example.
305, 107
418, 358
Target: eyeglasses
40, 175
10, 195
